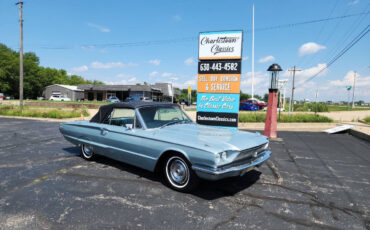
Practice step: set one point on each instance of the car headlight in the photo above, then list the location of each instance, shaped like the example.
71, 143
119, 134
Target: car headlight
224, 155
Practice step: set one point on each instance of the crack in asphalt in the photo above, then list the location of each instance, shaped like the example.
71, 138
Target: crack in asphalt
29, 143
112, 178
34, 163
298, 221
330, 170
275, 171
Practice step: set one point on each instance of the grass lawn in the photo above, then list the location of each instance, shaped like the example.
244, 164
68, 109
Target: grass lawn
31, 111
367, 119
284, 118
333, 108
74, 102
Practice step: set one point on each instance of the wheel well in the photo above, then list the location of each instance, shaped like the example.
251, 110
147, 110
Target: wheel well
164, 156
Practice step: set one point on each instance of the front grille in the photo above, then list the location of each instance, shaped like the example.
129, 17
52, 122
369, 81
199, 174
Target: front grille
243, 161
248, 153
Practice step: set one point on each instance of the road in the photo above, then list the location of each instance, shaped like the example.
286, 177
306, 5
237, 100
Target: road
313, 180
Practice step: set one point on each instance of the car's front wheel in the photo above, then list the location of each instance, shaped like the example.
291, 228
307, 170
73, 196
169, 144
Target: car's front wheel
87, 152
179, 175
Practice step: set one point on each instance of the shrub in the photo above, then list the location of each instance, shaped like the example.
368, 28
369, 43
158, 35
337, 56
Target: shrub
318, 107
284, 118
27, 112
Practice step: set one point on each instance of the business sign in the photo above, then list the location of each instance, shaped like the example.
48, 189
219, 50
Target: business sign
220, 45
224, 103
219, 83
218, 119
219, 71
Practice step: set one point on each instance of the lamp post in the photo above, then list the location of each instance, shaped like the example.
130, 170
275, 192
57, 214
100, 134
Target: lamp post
271, 116
348, 87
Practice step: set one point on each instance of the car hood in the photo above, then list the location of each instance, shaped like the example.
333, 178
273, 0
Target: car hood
210, 138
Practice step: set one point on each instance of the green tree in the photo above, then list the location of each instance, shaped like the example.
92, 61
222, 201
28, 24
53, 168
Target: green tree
36, 77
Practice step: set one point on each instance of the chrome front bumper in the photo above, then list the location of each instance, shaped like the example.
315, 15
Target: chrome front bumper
209, 173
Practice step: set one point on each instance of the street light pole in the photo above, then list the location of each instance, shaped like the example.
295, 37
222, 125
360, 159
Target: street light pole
293, 87
20, 4
353, 92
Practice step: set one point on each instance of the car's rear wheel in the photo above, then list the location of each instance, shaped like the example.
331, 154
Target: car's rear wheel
87, 152
179, 175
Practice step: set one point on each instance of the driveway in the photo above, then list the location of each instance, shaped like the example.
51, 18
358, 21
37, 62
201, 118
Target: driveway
313, 180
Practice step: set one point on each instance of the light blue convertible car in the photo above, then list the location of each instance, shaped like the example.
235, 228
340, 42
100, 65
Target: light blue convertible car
161, 137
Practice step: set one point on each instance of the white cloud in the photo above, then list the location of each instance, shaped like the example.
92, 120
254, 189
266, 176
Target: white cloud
261, 80
101, 28
80, 68
109, 65
90, 47
266, 59
354, 2
122, 82
184, 85
245, 58
303, 75
155, 62
348, 80
310, 48
166, 74
153, 74
131, 80
177, 18
122, 75
189, 61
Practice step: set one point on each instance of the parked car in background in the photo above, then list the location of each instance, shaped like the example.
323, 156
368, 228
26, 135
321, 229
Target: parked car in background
113, 99
160, 137
147, 99
6, 97
259, 104
59, 98
129, 99
1, 96
184, 102
248, 106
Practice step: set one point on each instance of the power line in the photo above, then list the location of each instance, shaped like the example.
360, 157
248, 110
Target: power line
310, 22
190, 39
341, 53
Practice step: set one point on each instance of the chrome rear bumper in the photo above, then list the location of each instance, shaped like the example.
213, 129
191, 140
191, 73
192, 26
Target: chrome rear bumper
209, 173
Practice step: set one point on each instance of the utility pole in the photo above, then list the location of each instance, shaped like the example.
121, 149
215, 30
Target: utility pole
253, 54
317, 92
293, 87
20, 5
353, 92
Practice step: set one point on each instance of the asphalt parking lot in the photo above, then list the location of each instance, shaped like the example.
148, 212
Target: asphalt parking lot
313, 180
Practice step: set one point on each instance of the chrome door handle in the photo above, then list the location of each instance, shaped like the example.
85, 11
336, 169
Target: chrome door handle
104, 131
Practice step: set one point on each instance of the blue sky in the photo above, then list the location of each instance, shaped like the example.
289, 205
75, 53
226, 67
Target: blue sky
124, 42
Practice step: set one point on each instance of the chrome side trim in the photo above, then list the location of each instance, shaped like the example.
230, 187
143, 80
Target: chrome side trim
265, 156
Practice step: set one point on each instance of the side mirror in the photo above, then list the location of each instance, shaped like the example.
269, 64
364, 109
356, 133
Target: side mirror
129, 126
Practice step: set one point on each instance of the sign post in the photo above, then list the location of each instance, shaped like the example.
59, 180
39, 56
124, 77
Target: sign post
219, 70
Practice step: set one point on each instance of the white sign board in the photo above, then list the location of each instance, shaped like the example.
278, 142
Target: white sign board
220, 45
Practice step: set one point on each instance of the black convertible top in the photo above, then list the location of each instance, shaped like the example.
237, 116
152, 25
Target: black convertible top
105, 110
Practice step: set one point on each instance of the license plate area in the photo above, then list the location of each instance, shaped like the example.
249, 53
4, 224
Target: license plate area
247, 170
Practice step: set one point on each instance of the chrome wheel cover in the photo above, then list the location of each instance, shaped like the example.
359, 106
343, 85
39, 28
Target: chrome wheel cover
87, 151
177, 172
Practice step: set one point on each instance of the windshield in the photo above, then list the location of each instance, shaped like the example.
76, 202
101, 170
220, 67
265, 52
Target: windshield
155, 117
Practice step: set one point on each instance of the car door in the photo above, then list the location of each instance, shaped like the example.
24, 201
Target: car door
122, 136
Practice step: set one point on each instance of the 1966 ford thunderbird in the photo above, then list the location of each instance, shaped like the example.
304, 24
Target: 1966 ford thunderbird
161, 137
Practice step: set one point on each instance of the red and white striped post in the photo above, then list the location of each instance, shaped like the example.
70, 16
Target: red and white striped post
271, 116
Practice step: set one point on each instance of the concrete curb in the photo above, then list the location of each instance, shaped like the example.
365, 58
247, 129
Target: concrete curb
360, 135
